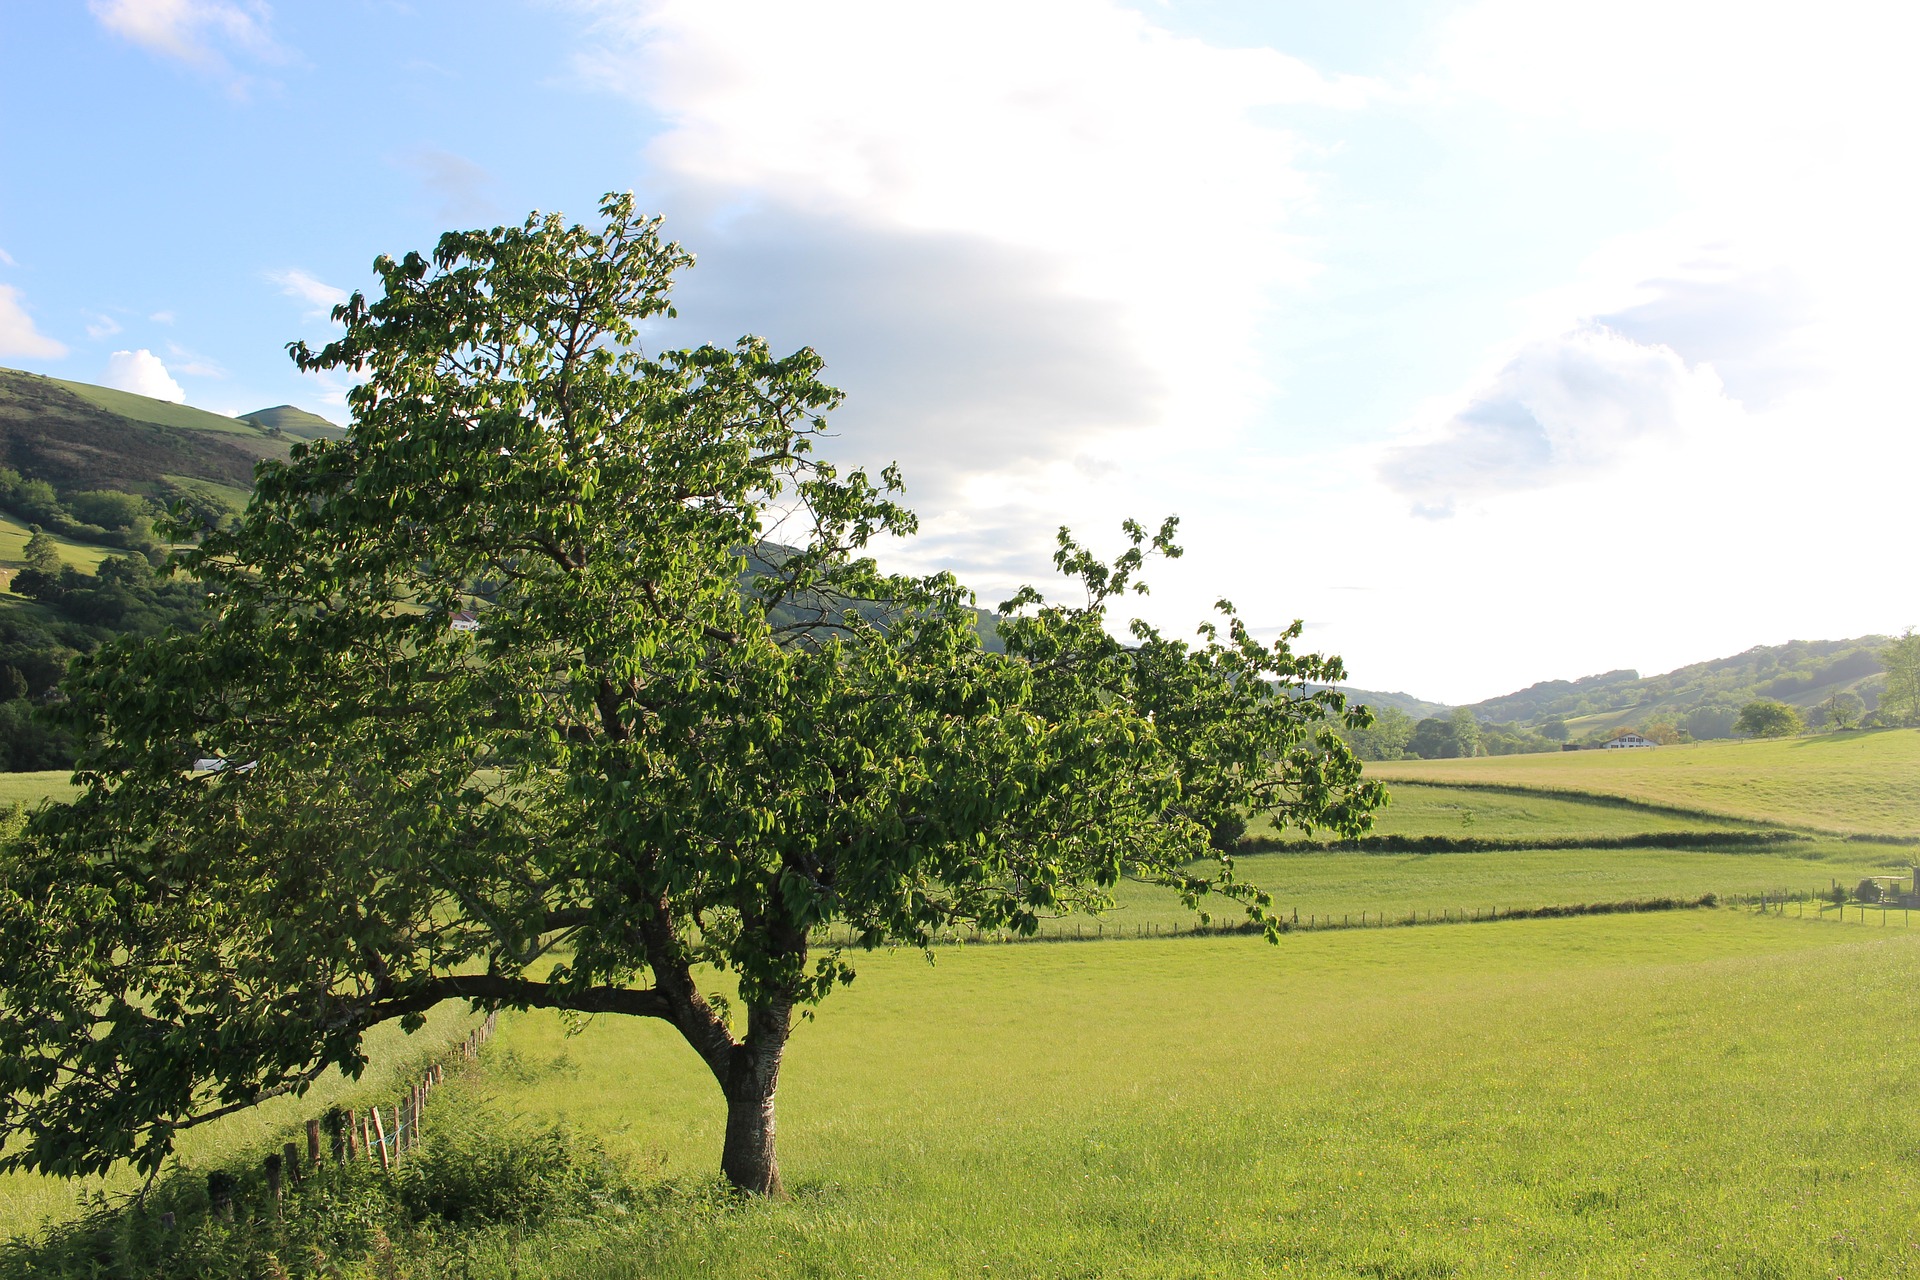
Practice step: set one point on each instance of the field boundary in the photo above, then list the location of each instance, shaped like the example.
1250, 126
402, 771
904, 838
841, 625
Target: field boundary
1109, 930
1498, 844
1679, 811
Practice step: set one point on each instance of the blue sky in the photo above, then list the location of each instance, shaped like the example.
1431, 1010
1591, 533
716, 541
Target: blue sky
1500, 340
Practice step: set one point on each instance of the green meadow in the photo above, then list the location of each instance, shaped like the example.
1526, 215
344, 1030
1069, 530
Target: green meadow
1695, 1093
31, 788
1704, 1092
1699, 1093
1421, 809
81, 555
1847, 783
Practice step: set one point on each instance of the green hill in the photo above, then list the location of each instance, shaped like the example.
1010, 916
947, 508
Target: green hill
1405, 703
163, 413
297, 423
77, 437
1802, 672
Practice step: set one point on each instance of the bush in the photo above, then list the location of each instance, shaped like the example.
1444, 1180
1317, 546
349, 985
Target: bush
471, 1184
470, 1172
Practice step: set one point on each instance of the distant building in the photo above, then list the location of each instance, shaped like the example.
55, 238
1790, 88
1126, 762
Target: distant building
466, 620
1627, 740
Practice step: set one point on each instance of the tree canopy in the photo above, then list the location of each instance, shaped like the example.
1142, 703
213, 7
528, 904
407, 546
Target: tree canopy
684, 725
1900, 700
1765, 718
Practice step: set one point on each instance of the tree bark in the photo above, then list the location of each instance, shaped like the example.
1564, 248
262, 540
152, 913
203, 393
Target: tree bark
748, 1159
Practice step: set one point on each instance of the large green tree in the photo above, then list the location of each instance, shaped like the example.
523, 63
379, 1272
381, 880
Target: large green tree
1766, 718
563, 682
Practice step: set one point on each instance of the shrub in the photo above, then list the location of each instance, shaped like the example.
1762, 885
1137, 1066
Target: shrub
470, 1172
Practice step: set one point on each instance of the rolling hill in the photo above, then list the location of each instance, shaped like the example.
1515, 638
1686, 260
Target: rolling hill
1802, 672
297, 423
79, 437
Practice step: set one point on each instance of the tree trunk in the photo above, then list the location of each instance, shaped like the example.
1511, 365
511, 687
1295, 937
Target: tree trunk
748, 1158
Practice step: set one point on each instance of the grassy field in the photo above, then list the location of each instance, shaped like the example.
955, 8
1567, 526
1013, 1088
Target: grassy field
1700, 1093
1418, 809
82, 555
1845, 782
31, 788
1339, 884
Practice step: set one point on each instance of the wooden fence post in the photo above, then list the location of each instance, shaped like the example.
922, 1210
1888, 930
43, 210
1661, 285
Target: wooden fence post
313, 1144
273, 1182
380, 1139
291, 1155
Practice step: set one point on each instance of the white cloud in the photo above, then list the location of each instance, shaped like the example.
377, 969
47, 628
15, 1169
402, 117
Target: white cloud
319, 296
330, 389
1558, 410
6, 259
978, 175
201, 33
162, 317
142, 373
18, 337
102, 326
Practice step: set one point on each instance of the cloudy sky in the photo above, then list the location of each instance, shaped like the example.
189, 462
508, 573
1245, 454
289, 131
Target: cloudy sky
1499, 340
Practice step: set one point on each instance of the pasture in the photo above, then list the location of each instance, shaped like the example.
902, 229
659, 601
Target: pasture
1705, 1093
1423, 809
1845, 783
85, 556
1700, 1093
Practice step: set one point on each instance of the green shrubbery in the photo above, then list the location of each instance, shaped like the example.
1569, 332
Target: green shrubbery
475, 1185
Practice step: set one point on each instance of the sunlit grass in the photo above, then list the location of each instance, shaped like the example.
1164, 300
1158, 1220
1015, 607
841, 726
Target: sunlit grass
1422, 810
1846, 782
1701, 1093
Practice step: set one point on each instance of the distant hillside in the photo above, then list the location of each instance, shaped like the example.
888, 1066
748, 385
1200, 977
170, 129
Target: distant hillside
1405, 703
78, 437
1802, 672
297, 423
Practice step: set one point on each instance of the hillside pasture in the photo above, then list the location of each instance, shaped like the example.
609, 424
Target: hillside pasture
81, 555
163, 413
1845, 783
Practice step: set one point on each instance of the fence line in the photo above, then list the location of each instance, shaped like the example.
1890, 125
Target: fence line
354, 1134
1098, 930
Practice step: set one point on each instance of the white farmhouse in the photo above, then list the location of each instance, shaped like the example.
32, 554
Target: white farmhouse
1629, 740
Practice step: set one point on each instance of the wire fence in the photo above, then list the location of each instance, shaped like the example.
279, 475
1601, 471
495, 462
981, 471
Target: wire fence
1806, 904
378, 1134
